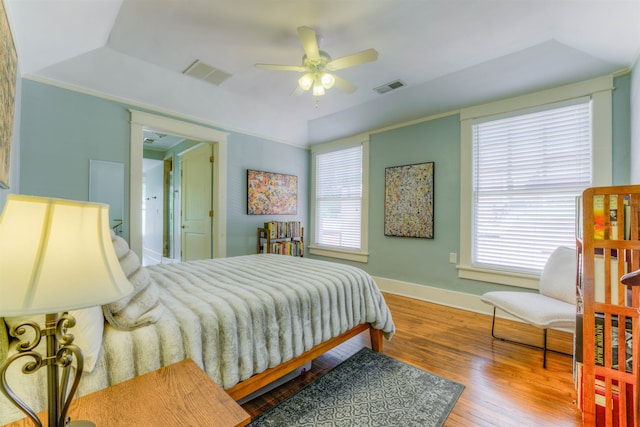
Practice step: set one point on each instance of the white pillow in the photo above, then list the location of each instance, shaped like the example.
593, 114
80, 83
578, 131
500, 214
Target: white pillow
87, 333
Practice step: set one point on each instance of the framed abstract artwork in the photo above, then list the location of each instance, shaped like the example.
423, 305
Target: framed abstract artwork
271, 193
408, 201
8, 70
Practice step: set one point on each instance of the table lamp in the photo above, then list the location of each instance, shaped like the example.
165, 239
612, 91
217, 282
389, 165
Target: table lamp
55, 255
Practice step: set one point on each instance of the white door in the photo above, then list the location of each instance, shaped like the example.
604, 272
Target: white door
197, 214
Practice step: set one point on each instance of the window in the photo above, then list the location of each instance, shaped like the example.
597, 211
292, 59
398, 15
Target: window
523, 162
528, 169
339, 198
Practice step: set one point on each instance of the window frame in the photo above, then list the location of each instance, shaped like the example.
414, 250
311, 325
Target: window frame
361, 254
599, 90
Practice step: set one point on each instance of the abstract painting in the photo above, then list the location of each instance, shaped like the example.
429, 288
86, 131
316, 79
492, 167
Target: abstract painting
8, 70
271, 193
408, 201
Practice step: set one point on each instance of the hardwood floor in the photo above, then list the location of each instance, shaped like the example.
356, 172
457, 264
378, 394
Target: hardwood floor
505, 384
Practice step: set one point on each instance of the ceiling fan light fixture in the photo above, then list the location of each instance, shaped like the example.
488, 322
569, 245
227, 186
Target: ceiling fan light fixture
327, 80
318, 66
306, 81
318, 89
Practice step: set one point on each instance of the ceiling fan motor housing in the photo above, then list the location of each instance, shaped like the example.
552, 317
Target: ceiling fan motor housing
318, 64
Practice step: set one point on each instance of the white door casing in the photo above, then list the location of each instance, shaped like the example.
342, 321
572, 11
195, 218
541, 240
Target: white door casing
141, 120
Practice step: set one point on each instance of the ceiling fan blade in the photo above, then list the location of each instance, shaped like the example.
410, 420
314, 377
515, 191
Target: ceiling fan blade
297, 68
344, 85
297, 91
363, 57
309, 42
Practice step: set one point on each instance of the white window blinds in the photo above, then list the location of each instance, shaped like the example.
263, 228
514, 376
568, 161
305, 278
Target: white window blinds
339, 198
527, 171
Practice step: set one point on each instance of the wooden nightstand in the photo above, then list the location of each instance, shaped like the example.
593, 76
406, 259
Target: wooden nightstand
177, 395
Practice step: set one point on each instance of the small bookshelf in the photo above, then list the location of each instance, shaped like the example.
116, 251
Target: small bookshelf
607, 372
281, 237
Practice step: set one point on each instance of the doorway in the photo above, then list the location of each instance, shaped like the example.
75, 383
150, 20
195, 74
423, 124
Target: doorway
160, 189
218, 142
177, 212
153, 213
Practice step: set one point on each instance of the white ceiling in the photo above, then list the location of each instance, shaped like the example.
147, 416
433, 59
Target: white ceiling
449, 53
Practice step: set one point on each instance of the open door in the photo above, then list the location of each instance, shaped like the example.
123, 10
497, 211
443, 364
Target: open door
197, 213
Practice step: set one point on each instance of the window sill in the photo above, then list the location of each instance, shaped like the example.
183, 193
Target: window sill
519, 280
339, 253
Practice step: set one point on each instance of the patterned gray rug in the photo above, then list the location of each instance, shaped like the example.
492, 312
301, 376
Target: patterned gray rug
368, 389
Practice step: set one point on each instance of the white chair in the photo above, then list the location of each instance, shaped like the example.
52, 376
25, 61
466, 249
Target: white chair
554, 306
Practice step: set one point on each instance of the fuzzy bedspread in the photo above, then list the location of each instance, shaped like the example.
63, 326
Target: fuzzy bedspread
234, 317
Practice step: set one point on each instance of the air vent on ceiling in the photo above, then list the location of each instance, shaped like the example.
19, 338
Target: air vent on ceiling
388, 87
206, 72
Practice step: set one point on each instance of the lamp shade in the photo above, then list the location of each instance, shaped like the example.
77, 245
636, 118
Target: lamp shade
56, 255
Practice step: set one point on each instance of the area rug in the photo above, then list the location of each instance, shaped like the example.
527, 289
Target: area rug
368, 389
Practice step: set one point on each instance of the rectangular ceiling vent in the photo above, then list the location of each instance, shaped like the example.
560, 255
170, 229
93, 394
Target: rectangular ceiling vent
396, 84
206, 72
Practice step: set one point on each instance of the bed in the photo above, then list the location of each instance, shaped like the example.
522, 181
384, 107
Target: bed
244, 320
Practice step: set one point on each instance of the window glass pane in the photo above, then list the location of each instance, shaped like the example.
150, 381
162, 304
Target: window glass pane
527, 171
339, 198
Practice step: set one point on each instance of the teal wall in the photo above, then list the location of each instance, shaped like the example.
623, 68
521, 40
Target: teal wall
411, 259
14, 179
248, 152
634, 112
621, 130
61, 130
426, 261
152, 154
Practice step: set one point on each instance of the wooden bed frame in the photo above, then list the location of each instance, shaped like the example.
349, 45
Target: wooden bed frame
256, 382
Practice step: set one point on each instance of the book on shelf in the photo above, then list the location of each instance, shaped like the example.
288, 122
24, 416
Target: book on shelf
599, 278
600, 388
281, 237
600, 339
283, 229
600, 402
291, 248
606, 219
615, 392
271, 231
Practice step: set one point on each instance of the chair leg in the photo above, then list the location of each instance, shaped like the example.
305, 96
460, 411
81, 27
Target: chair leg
544, 351
544, 339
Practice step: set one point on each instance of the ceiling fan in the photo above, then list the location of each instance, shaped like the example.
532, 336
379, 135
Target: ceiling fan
318, 65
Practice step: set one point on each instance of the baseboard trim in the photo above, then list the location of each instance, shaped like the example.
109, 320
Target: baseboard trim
440, 296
